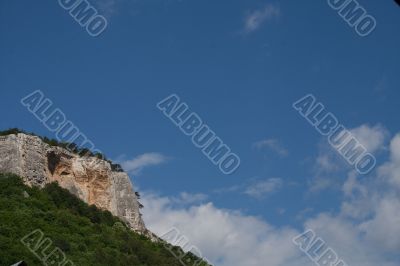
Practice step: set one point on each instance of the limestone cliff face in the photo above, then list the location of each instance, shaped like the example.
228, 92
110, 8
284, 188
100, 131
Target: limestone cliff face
89, 178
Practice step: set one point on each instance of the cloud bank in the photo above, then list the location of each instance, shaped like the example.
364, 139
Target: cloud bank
364, 232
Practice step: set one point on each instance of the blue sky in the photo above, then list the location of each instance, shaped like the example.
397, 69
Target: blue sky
241, 80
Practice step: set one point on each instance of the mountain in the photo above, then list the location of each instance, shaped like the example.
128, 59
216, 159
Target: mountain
83, 202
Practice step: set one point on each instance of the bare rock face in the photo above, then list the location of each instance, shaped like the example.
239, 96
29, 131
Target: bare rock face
89, 178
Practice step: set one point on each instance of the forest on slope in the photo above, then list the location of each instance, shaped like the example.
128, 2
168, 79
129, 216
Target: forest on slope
85, 234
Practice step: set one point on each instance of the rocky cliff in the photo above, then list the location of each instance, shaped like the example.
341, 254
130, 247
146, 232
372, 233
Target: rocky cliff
91, 179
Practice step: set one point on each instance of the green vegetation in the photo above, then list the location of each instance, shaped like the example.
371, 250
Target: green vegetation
72, 147
87, 235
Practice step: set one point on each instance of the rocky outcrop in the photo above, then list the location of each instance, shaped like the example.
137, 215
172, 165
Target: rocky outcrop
91, 179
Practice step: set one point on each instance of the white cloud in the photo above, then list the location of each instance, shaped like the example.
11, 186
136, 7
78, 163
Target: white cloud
371, 137
385, 224
256, 18
136, 165
329, 164
225, 237
364, 232
264, 187
390, 171
325, 168
325, 163
395, 149
256, 188
352, 187
349, 242
231, 238
272, 144
187, 198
